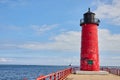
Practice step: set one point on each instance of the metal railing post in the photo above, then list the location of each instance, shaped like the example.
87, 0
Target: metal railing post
55, 76
60, 75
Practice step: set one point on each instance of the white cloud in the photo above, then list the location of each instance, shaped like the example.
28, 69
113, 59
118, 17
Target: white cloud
45, 60
9, 28
70, 41
109, 11
67, 41
5, 60
109, 41
58, 60
8, 46
110, 61
43, 28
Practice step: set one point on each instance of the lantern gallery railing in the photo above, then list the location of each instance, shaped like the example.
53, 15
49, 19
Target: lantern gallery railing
94, 21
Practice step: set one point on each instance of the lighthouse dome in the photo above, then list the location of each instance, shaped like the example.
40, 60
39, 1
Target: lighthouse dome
89, 17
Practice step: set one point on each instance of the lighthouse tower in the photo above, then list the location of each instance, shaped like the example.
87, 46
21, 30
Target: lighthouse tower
89, 42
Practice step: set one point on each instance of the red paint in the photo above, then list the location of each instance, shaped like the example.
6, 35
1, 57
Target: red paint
89, 42
89, 48
59, 75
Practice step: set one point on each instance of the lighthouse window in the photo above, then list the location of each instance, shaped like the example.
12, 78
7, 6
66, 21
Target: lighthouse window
90, 62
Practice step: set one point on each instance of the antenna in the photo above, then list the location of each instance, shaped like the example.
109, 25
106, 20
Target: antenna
88, 9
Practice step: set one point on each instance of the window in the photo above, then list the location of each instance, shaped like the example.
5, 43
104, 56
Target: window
90, 62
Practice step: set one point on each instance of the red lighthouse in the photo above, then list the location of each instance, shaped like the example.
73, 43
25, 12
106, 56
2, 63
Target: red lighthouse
89, 42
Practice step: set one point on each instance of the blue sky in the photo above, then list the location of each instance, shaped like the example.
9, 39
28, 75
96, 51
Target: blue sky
47, 32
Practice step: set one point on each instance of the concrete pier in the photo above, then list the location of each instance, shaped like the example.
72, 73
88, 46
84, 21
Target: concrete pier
91, 72
92, 77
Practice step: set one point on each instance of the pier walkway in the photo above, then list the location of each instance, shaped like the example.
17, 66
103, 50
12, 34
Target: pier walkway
71, 74
93, 77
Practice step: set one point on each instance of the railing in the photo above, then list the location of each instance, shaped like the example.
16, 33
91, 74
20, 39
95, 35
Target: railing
115, 71
60, 75
94, 20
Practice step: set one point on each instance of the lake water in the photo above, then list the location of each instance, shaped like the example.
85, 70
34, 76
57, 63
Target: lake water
29, 72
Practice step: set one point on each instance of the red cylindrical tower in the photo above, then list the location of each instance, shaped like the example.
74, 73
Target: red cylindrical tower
89, 42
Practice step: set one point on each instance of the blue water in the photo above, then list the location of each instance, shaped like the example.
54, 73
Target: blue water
28, 72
